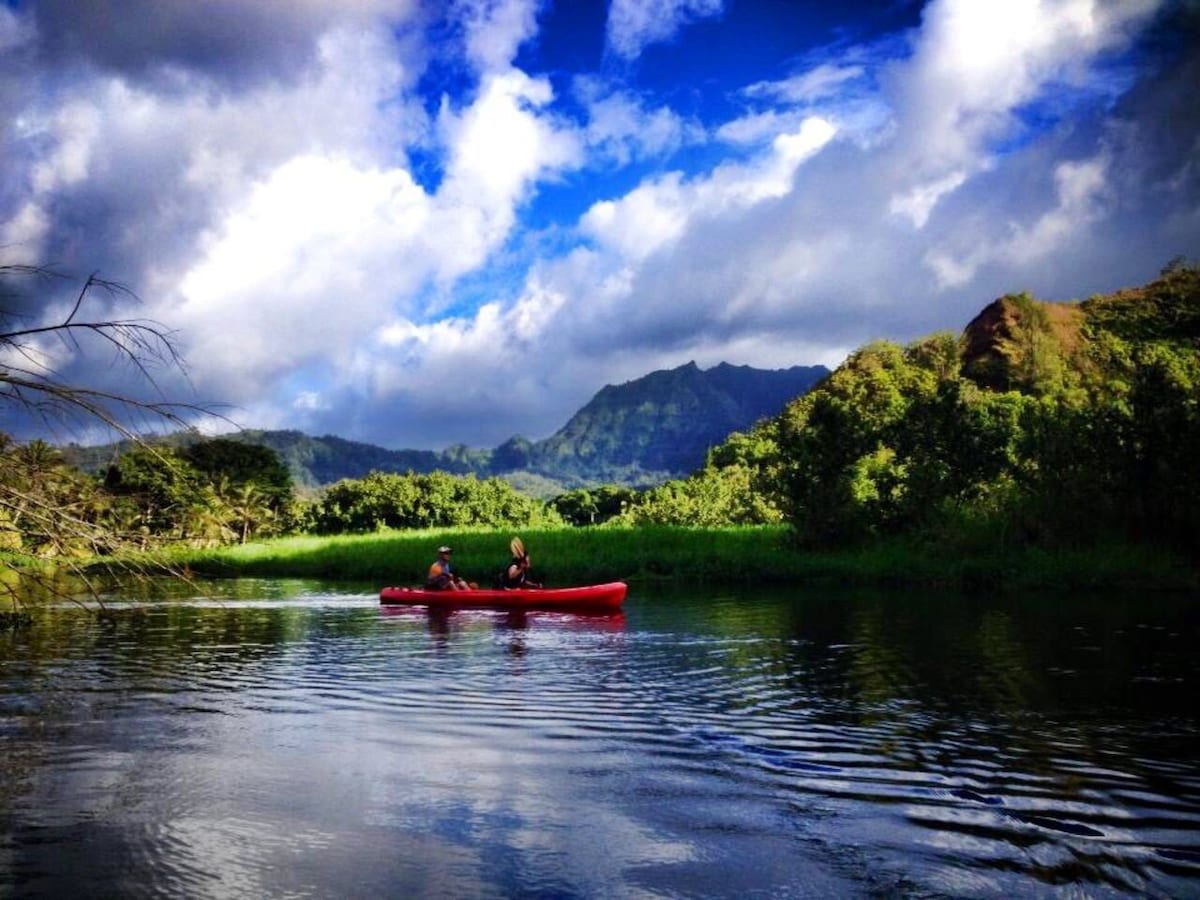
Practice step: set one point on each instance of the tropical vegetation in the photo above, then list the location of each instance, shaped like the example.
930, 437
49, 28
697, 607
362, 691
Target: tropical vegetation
1064, 428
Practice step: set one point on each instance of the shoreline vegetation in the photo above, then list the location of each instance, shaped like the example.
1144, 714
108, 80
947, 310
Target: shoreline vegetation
1047, 446
730, 556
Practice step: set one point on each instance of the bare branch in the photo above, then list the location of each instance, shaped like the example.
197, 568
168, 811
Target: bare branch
61, 529
143, 343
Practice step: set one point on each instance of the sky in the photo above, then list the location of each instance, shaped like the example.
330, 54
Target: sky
418, 224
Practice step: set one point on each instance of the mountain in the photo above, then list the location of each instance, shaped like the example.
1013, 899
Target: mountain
645, 431
661, 425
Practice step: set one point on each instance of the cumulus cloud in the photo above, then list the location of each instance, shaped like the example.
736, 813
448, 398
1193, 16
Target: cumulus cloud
495, 30
322, 230
656, 213
226, 41
497, 148
336, 222
973, 68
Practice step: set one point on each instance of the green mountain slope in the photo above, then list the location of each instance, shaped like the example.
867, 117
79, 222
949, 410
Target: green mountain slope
662, 425
1052, 424
653, 428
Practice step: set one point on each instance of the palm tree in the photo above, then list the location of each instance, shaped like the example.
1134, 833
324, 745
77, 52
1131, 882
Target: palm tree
30, 387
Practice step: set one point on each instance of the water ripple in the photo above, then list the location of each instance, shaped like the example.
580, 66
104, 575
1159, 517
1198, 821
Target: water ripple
216, 741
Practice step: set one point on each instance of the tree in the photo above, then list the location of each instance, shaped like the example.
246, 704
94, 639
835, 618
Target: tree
592, 506
30, 385
438, 499
249, 508
240, 472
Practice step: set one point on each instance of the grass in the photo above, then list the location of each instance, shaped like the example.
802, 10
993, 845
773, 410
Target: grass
746, 555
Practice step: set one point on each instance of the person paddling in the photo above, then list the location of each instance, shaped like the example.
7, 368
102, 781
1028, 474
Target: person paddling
441, 576
516, 575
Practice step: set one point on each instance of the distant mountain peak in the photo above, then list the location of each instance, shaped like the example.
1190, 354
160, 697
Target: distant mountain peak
663, 423
643, 431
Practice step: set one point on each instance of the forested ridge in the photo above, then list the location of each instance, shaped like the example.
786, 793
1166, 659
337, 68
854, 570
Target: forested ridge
1040, 424
1049, 424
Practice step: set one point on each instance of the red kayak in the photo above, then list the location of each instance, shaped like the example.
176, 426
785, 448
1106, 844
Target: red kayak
591, 597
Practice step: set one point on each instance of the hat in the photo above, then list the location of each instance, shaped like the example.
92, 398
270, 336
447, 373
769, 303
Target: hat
443, 549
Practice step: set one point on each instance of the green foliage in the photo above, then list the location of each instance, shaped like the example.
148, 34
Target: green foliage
1164, 310
839, 443
1035, 359
158, 489
592, 506
737, 486
645, 431
437, 499
148, 495
1090, 442
1088, 437
242, 464
40, 496
662, 425
752, 555
711, 498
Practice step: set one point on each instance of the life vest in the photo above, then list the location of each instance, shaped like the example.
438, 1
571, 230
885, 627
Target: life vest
439, 576
504, 580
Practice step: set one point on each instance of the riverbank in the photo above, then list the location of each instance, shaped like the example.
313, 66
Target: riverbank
734, 556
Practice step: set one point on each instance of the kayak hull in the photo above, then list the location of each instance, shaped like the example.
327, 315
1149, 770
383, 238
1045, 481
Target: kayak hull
591, 597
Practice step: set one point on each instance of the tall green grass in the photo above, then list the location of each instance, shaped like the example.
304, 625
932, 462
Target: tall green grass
559, 556
738, 555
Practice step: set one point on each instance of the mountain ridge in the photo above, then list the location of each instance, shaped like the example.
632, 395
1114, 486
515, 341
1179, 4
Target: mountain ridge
641, 432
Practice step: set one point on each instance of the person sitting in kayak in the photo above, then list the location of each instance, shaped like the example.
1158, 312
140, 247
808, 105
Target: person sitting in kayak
516, 574
441, 577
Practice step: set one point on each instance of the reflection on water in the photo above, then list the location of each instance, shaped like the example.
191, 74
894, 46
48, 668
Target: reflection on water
268, 738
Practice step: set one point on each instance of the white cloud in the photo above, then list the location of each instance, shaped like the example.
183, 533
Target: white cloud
620, 128
309, 227
23, 235
317, 232
498, 147
756, 128
324, 231
496, 29
71, 133
817, 83
1082, 196
973, 65
656, 213
634, 24
920, 200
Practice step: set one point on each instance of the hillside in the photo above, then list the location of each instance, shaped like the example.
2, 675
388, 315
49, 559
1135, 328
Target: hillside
661, 425
1049, 424
653, 428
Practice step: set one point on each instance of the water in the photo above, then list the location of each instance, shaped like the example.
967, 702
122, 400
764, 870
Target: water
292, 739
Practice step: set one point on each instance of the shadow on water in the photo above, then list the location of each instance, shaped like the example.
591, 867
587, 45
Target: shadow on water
271, 737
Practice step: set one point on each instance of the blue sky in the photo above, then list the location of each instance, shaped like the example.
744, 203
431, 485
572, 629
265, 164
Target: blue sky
419, 224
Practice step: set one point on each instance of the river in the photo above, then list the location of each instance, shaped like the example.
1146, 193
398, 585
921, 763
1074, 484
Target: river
257, 738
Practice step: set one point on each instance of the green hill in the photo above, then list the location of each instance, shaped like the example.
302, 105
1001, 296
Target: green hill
1048, 424
661, 426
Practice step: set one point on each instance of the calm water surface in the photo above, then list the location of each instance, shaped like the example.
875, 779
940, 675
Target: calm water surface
293, 739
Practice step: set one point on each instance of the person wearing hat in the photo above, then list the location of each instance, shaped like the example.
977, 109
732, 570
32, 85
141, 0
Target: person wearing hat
441, 577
